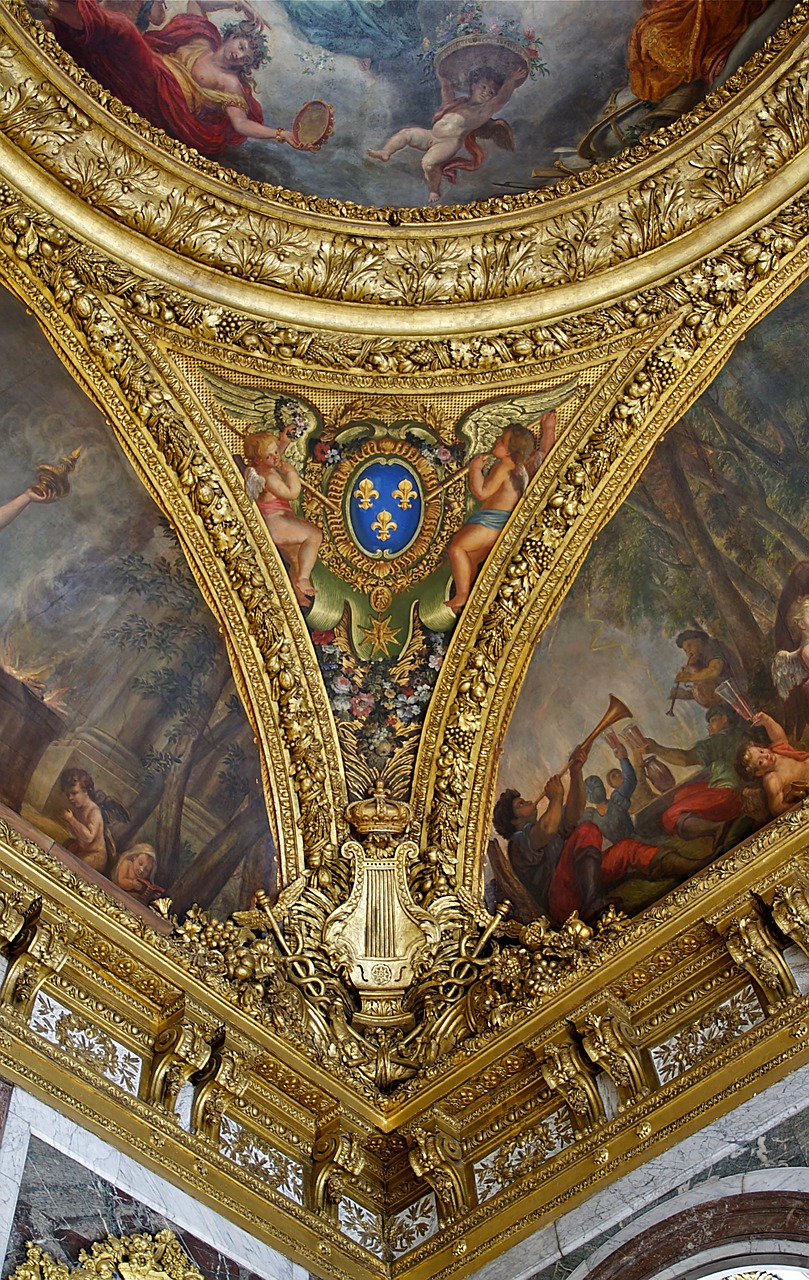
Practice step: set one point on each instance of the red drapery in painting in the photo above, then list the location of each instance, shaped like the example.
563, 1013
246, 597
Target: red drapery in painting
133, 67
679, 41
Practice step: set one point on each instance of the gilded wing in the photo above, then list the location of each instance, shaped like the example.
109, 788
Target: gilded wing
482, 425
252, 919
259, 409
252, 405
545, 431
499, 132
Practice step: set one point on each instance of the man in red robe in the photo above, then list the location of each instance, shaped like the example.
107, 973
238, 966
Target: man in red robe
186, 78
561, 860
700, 808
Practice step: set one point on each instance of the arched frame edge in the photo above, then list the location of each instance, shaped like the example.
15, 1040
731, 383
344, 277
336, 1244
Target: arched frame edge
181, 469
527, 265
532, 570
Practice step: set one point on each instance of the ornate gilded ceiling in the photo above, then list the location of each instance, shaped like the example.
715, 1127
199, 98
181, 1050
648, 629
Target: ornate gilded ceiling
410, 103
404, 1049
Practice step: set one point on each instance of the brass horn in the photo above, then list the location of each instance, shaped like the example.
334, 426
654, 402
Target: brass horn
617, 710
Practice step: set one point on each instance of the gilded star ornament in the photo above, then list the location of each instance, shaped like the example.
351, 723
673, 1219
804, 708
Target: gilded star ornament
380, 635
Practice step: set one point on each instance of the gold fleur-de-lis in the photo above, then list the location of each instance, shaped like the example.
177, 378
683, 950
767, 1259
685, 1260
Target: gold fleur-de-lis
384, 525
405, 494
366, 493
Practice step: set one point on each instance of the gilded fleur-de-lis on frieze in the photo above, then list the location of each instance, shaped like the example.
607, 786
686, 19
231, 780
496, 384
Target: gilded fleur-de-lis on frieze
366, 493
384, 526
405, 494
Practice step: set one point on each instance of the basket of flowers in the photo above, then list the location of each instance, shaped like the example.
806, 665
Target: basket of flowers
469, 42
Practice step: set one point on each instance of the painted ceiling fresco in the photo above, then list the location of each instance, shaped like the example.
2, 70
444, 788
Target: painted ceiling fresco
665, 715
122, 737
406, 102
384, 512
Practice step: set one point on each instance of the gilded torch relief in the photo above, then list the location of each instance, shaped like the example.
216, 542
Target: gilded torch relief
664, 717
122, 736
384, 511
435, 101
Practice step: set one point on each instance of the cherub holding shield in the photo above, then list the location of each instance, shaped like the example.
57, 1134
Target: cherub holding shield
527, 433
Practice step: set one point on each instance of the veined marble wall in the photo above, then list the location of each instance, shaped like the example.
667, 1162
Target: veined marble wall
63, 1188
755, 1157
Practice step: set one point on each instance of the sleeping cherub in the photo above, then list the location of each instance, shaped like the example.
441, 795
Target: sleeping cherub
134, 871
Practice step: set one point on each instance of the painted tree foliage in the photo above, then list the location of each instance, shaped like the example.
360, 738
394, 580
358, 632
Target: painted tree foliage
692, 608
189, 733
111, 664
718, 521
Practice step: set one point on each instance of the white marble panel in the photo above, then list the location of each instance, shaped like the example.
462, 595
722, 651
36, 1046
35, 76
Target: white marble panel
183, 1105
778, 1179
524, 1259
13, 1153
27, 1115
798, 962
609, 1095
639, 1190
777, 1273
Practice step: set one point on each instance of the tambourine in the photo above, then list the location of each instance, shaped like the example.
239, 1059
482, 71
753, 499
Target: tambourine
313, 125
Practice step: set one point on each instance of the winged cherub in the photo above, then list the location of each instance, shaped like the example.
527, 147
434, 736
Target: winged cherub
459, 122
499, 472
274, 455
274, 484
500, 489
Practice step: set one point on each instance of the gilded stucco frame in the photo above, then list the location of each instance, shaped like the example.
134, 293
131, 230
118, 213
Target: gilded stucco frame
135, 257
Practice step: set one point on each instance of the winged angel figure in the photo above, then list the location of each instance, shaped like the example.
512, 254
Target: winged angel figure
790, 666
459, 123
287, 417
276, 423
516, 435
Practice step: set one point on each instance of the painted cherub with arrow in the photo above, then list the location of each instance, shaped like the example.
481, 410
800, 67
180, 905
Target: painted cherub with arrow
500, 474
271, 478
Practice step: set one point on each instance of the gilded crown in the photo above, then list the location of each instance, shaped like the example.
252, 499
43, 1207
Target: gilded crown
377, 815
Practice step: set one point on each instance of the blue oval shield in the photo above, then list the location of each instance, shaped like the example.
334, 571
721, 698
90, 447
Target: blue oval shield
385, 507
